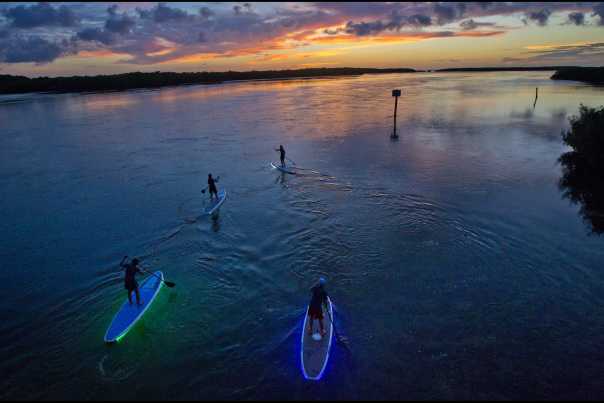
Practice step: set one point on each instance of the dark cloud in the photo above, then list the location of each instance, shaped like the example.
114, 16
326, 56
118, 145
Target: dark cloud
468, 25
577, 18
96, 34
246, 8
32, 50
541, 17
485, 4
447, 12
364, 28
119, 24
115, 25
590, 53
162, 13
40, 15
395, 22
206, 12
112, 10
419, 20
599, 11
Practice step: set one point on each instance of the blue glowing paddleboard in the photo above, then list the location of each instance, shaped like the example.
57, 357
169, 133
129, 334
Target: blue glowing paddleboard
216, 203
128, 314
282, 169
315, 353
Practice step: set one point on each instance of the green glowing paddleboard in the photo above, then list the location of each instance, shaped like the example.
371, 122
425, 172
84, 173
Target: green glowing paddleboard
129, 314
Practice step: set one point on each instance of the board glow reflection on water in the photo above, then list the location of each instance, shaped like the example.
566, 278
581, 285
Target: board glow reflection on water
457, 269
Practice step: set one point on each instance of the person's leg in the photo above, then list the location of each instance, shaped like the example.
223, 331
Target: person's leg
322, 328
129, 296
138, 296
310, 321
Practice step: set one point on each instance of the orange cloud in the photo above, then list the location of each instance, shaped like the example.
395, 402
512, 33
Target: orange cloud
194, 58
99, 53
401, 38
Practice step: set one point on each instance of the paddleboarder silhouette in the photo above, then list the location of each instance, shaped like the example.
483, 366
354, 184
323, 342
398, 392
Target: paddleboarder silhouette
282, 151
315, 308
212, 186
130, 282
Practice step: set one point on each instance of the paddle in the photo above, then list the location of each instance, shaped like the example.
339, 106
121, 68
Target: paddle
339, 338
206, 188
168, 284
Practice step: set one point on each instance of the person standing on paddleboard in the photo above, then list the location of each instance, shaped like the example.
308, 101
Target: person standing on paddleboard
212, 186
315, 308
130, 282
282, 151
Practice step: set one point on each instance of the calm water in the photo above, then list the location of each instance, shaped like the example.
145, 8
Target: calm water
457, 269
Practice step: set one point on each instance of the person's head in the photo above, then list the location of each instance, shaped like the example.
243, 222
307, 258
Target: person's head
135, 261
281, 146
209, 175
322, 281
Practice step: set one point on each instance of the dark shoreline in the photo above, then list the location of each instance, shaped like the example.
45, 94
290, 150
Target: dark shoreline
130, 81
488, 69
591, 75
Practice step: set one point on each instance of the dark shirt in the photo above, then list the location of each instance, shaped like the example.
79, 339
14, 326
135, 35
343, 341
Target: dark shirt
131, 271
211, 183
319, 297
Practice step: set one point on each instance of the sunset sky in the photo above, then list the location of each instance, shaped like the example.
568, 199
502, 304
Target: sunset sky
50, 39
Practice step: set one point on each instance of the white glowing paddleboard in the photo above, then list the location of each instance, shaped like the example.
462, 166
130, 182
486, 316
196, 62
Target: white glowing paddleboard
315, 349
282, 169
216, 203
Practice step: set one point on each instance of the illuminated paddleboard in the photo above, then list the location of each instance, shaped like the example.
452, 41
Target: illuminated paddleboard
282, 169
129, 314
216, 203
315, 353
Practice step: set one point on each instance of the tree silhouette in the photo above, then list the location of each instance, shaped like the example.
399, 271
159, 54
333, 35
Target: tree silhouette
582, 178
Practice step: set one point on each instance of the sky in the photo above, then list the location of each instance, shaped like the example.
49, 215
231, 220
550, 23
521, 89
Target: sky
80, 38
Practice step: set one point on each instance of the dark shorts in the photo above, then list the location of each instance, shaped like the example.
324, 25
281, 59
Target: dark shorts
315, 313
131, 285
213, 190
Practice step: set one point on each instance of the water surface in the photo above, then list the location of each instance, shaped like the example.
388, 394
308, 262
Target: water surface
456, 267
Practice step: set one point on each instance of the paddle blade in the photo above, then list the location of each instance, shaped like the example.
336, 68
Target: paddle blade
169, 284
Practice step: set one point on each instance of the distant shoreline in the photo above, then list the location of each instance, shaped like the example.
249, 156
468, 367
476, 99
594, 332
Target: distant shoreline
488, 69
129, 81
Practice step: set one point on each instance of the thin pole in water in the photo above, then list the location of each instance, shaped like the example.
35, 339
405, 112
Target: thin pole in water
395, 94
536, 96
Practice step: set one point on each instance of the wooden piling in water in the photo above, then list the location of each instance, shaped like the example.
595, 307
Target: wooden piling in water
395, 94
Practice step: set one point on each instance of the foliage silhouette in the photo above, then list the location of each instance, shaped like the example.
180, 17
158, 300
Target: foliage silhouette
582, 178
593, 75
